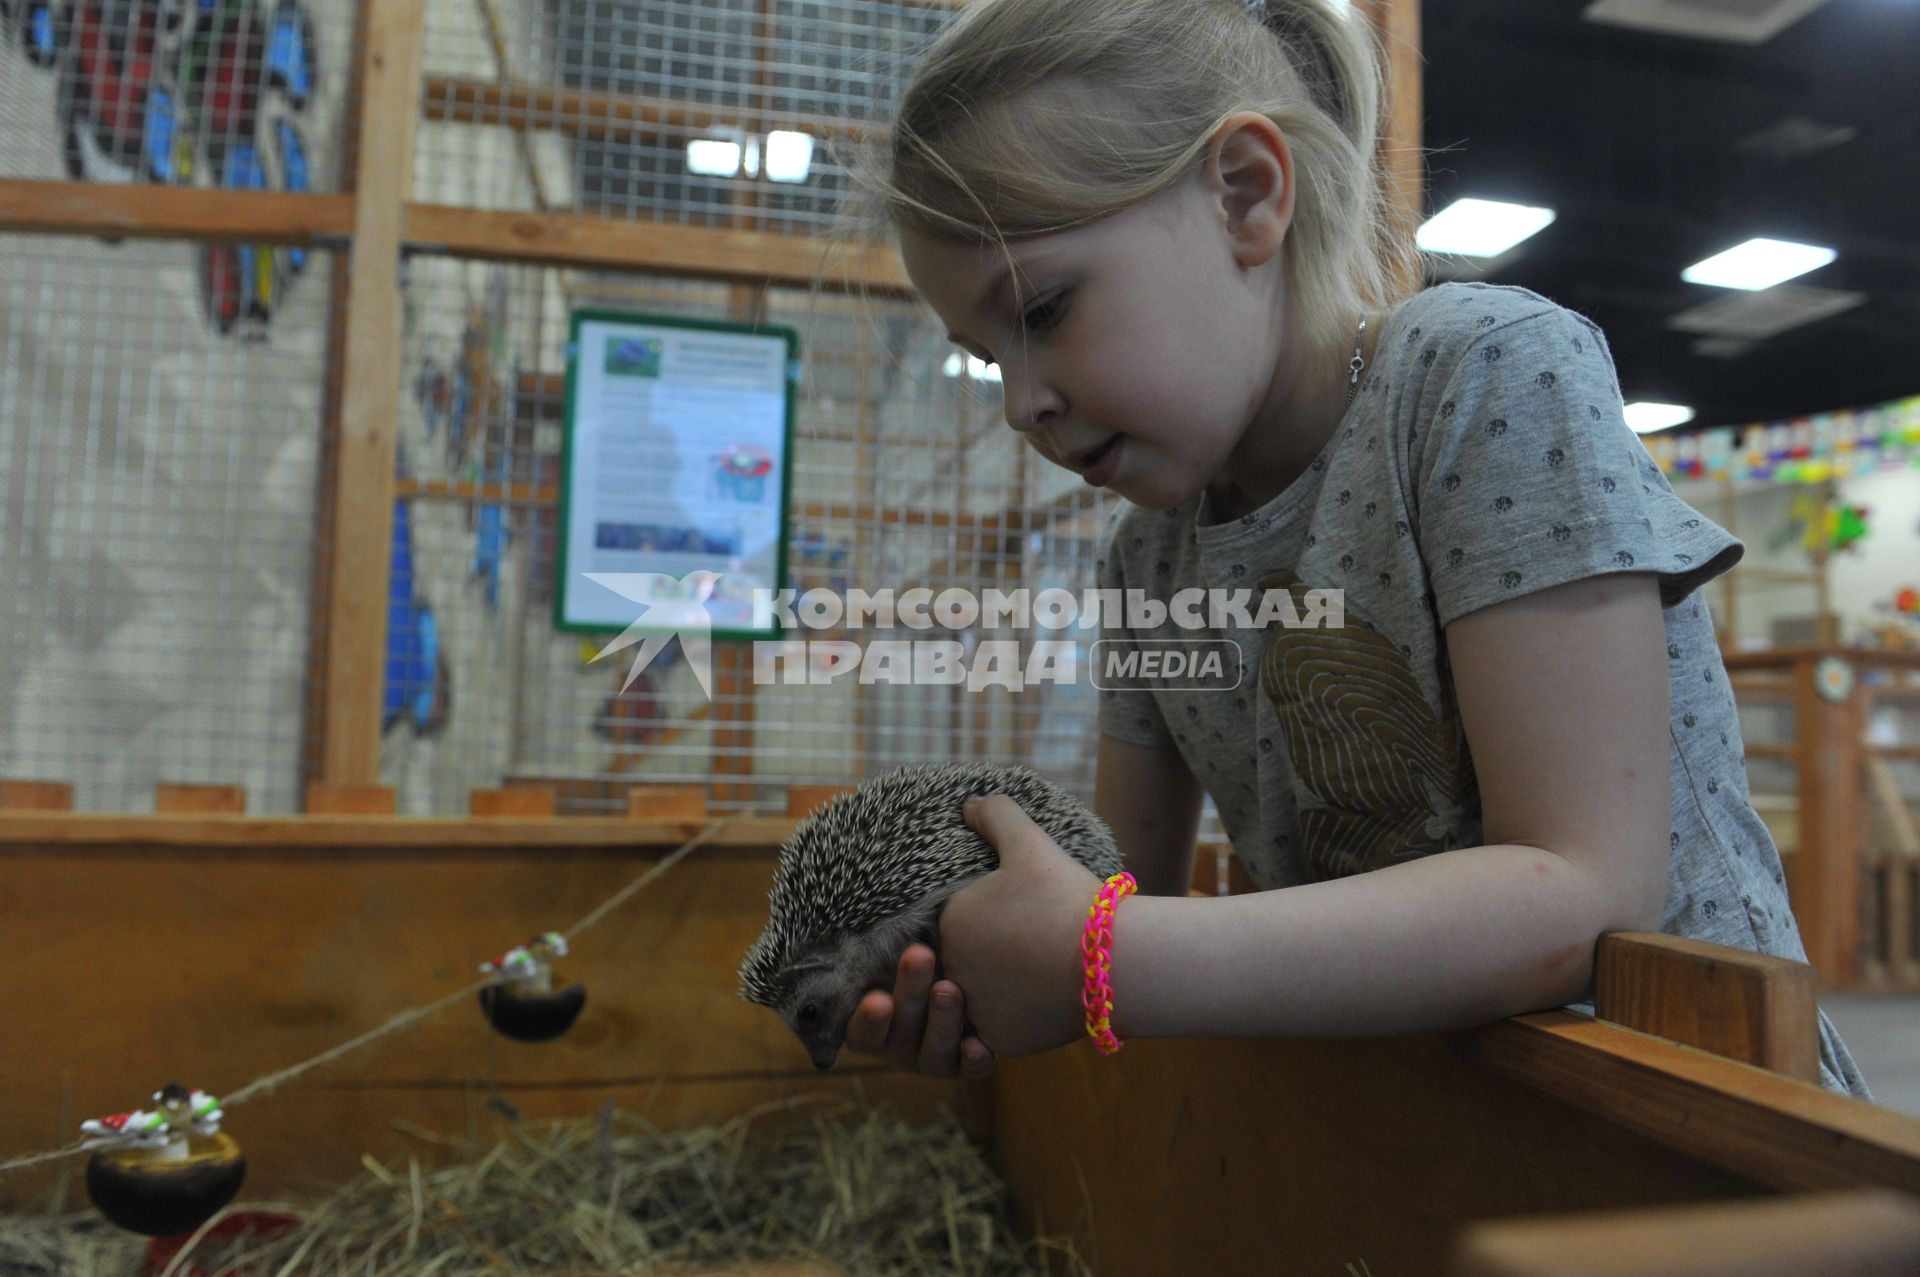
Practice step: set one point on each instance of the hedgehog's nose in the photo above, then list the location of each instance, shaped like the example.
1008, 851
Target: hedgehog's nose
823, 1057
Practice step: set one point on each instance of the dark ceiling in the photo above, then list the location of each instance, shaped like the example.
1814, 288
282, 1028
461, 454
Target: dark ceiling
1650, 148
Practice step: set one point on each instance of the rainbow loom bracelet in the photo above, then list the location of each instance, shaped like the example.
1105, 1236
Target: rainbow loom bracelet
1096, 945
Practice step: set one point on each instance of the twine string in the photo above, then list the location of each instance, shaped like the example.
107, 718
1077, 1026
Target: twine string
273, 1081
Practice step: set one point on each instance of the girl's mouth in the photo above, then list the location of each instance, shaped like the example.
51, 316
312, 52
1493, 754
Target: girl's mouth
1098, 466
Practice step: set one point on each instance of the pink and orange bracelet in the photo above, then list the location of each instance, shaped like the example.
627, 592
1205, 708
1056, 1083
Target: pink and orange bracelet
1096, 945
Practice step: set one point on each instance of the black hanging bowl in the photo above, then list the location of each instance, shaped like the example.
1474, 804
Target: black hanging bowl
532, 1017
163, 1199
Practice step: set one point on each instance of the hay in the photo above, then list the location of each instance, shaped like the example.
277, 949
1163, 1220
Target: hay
852, 1189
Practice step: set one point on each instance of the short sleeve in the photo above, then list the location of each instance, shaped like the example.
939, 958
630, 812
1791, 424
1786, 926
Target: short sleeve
1128, 711
1530, 477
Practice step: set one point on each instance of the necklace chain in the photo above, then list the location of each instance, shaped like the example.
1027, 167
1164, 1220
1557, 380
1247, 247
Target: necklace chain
1358, 363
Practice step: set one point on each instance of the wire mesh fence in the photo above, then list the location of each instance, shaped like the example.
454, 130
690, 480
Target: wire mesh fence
902, 479
169, 416
232, 94
157, 522
686, 112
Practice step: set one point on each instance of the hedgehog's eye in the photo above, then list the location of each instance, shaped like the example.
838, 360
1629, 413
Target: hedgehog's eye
809, 1017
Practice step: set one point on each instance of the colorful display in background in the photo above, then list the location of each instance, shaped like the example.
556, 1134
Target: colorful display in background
1810, 450
185, 93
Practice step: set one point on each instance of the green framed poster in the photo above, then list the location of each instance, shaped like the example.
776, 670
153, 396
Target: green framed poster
676, 469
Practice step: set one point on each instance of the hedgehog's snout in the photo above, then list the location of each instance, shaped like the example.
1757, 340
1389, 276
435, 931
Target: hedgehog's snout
824, 1054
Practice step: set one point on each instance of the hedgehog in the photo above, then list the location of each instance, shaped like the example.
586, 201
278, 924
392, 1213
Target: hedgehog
866, 876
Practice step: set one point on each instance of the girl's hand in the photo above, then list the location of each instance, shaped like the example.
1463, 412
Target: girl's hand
1011, 941
921, 1027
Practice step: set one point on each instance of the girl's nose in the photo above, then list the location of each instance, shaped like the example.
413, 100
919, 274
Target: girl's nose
1030, 405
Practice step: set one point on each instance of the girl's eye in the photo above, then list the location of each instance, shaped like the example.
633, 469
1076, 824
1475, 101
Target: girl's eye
1045, 315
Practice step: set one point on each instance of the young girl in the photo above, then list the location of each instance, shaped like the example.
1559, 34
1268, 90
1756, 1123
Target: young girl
1164, 221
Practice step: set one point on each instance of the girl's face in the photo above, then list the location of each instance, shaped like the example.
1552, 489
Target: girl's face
1138, 350
1129, 349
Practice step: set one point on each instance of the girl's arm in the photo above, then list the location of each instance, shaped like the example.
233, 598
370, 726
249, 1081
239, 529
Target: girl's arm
1563, 694
1151, 802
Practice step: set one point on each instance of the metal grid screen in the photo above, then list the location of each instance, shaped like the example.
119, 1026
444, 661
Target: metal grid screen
238, 94
164, 407
903, 477
157, 526
590, 105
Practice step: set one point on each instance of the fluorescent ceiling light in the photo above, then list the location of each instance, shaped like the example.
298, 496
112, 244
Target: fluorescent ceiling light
789, 156
979, 369
1645, 418
1481, 228
1757, 264
710, 157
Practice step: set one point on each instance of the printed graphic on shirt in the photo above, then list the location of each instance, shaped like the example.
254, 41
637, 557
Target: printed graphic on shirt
1384, 779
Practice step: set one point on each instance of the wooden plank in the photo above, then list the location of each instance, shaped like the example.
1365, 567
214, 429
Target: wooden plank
362, 530
520, 801
350, 800
249, 963
1750, 1007
718, 253
174, 212
1823, 879
1866, 1233
199, 799
1180, 1157
803, 800
668, 802
588, 113
36, 795
242, 835
1777, 1131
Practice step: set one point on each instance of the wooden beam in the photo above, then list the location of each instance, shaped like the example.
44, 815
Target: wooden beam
1870, 1232
1750, 1007
362, 528
606, 243
36, 795
1777, 1131
590, 114
1823, 878
174, 212
200, 799
1402, 132
78, 833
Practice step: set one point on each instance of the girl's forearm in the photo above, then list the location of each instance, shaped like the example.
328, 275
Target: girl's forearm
1442, 942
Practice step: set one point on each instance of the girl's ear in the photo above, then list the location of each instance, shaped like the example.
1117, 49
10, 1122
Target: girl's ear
1249, 172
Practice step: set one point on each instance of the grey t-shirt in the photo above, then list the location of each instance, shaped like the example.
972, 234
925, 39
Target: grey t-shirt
1484, 457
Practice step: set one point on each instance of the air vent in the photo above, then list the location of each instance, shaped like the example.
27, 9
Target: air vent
1767, 313
1733, 21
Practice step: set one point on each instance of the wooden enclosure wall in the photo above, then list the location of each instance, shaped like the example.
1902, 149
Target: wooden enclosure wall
215, 950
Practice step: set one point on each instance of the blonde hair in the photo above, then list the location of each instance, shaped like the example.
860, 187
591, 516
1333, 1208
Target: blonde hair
1032, 116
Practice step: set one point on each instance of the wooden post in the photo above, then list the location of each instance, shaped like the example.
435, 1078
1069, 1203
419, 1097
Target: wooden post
667, 802
350, 800
803, 799
36, 795
1750, 1007
200, 799
1823, 876
362, 517
1398, 23
523, 801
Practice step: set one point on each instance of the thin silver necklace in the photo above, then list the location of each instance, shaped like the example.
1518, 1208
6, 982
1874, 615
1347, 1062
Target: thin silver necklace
1357, 364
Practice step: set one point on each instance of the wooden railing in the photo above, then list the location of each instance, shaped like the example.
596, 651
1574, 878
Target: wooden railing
1848, 836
